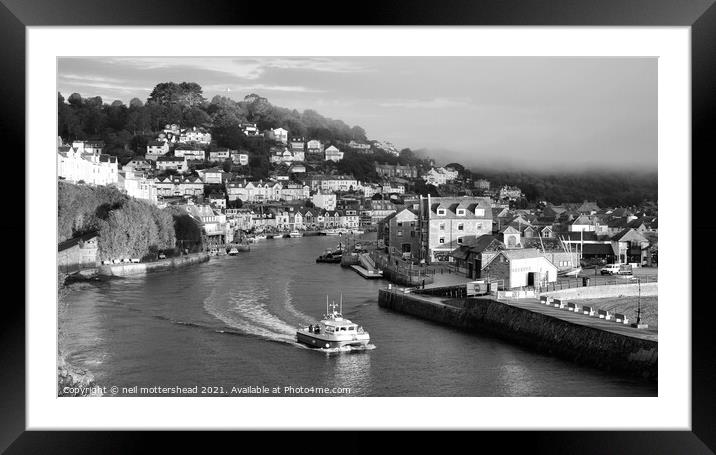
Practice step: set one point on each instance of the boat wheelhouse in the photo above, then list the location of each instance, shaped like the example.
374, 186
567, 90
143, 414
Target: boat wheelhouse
333, 331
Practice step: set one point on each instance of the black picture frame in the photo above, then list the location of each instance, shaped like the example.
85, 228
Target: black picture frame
700, 15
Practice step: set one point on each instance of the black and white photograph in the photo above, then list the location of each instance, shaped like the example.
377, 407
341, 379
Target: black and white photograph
357, 226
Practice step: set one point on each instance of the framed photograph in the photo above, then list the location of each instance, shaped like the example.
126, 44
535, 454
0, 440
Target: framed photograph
418, 220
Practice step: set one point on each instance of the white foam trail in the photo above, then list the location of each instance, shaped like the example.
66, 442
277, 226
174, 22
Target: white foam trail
292, 309
368, 347
243, 312
247, 303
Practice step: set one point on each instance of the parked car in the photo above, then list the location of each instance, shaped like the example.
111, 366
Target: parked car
616, 269
162, 256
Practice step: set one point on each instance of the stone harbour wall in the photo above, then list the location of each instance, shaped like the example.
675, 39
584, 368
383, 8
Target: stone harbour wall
144, 267
581, 344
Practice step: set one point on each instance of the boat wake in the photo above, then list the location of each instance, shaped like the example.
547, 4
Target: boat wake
367, 347
303, 318
244, 310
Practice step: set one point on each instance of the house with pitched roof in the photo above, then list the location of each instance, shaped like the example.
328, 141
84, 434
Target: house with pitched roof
586, 223
520, 268
84, 162
172, 163
177, 185
212, 175
155, 149
588, 208
333, 154
631, 247
400, 231
475, 251
510, 236
220, 155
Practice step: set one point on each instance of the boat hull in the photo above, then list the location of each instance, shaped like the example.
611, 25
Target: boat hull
324, 343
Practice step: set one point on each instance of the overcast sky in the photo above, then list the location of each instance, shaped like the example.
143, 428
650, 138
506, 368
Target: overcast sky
526, 112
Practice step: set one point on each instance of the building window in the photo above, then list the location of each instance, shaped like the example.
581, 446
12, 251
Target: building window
441, 212
442, 226
460, 227
400, 224
460, 212
400, 233
459, 240
412, 233
479, 212
442, 239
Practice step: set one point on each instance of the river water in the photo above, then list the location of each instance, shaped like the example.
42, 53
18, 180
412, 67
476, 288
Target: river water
231, 322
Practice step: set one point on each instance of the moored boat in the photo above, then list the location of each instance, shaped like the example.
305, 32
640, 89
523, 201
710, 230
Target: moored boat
333, 331
331, 256
295, 234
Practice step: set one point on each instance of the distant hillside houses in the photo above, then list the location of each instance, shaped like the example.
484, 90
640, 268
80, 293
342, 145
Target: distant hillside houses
482, 184
314, 146
285, 155
439, 176
221, 154
278, 134
156, 148
324, 199
83, 161
396, 170
249, 129
510, 192
334, 183
265, 191
136, 184
240, 158
333, 154
195, 134
384, 188
177, 185
172, 163
359, 146
190, 153
386, 147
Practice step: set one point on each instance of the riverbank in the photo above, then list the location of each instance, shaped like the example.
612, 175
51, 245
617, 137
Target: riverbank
126, 269
581, 344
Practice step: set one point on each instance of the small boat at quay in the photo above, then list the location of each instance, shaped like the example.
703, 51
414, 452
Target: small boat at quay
236, 248
333, 331
295, 234
331, 232
331, 256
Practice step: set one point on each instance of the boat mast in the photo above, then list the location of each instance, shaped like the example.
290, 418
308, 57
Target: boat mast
340, 309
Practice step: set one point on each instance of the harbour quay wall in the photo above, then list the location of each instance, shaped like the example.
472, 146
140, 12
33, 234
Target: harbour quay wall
611, 290
126, 269
549, 335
